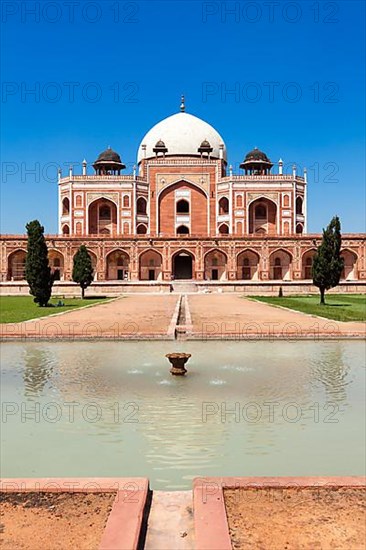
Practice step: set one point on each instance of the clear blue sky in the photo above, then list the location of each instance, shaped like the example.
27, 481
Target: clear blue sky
297, 68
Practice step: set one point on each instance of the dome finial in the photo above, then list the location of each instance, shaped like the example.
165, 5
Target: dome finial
183, 104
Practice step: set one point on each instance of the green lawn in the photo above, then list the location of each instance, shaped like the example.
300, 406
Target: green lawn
340, 307
15, 309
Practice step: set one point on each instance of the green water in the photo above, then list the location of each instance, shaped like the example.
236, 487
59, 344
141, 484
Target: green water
245, 408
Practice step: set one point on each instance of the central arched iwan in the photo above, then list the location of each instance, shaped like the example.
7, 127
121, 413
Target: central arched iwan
169, 219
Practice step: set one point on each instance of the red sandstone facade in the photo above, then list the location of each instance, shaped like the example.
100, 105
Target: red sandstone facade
184, 215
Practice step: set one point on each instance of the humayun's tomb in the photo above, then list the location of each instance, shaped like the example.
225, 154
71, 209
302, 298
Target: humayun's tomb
184, 215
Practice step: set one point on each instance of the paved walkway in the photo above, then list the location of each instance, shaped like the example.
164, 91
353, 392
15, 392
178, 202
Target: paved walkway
170, 523
131, 316
154, 316
232, 316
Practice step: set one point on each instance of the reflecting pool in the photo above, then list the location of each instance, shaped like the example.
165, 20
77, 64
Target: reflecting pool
244, 408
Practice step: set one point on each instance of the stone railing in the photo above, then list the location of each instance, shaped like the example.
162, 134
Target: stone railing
187, 162
180, 161
264, 178
118, 179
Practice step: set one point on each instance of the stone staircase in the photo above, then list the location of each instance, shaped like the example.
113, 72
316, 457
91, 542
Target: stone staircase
184, 287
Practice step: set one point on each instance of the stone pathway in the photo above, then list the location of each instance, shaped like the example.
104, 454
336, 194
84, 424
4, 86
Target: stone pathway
170, 523
232, 316
197, 316
128, 317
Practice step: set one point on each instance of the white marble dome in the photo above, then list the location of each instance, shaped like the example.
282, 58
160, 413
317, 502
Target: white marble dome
182, 134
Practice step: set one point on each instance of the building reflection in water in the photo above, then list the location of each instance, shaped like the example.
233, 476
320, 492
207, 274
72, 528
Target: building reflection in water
331, 371
38, 369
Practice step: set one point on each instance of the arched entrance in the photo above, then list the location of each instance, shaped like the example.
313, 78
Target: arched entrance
280, 265
56, 262
349, 271
263, 217
150, 266
141, 206
65, 207
182, 205
102, 217
117, 266
299, 206
223, 206
215, 266
16, 265
247, 265
307, 264
183, 265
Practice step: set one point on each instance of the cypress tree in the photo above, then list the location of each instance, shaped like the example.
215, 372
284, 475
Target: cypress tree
82, 272
328, 263
37, 270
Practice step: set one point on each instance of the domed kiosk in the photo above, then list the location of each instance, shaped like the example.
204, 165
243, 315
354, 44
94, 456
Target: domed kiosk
108, 163
256, 163
182, 134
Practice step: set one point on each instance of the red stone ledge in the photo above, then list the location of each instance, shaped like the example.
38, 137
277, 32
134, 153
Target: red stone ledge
211, 529
16, 337
210, 520
192, 336
125, 522
307, 336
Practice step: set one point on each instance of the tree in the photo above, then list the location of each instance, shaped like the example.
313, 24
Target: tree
82, 272
328, 263
37, 270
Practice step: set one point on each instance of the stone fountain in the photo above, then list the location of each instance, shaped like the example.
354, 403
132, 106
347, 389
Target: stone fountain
178, 360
